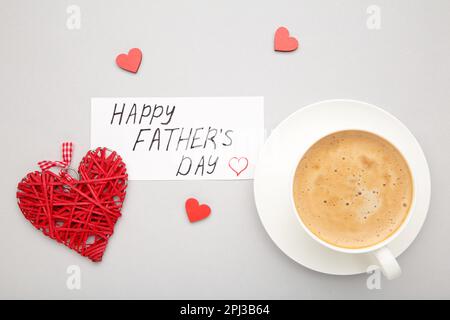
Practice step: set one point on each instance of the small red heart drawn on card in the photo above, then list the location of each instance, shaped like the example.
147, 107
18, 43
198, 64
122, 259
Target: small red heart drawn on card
238, 165
131, 61
78, 212
283, 42
196, 211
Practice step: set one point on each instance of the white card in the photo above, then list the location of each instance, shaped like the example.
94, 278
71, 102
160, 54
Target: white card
181, 138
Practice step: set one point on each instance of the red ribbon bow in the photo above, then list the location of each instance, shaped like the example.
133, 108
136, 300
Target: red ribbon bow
67, 151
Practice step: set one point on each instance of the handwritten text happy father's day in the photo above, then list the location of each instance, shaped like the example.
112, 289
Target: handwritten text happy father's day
181, 138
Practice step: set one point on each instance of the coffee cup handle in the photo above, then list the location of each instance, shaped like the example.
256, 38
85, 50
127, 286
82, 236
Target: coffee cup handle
388, 264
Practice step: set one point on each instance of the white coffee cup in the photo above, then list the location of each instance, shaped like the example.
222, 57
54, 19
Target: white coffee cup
401, 138
386, 260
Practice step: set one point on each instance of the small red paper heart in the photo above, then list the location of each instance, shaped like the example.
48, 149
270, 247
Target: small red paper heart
195, 211
131, 61
80, 214
283, 42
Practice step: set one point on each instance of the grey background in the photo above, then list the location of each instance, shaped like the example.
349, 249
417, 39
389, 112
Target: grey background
212, 48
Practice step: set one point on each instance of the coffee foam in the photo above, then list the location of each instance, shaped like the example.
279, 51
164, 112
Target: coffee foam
353, 189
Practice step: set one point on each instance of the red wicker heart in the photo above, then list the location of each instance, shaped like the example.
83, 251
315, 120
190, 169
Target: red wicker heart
80, 214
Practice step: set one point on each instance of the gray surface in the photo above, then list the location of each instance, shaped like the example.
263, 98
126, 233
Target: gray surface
212, 48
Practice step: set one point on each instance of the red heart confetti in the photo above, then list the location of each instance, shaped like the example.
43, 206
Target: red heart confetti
195, 211
80, 214
283, 42
131, 61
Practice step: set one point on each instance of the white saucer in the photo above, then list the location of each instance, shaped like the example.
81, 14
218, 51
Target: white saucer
281, 152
